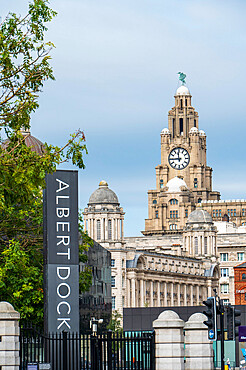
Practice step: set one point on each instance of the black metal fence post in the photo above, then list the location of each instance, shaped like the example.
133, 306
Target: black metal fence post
64, 342
109, 349
152, 352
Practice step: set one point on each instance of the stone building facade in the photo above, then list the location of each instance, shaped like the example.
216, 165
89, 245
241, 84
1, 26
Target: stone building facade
192, 239
183, 156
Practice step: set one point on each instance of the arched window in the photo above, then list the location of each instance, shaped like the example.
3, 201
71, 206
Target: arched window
156, 214
110, 229
161, 184
98, 229
173, 201
243, 276
154, 201
199, 200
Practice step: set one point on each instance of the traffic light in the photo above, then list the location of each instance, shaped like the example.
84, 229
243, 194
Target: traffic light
237, 323
230, 325
211, 323
232, 322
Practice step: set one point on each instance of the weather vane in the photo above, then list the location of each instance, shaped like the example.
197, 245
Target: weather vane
182, 77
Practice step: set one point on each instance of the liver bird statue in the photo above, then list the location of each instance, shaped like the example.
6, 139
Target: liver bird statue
182, 77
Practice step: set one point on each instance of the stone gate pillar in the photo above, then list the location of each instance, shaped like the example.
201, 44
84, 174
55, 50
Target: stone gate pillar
9, 337
198, 348
169, 341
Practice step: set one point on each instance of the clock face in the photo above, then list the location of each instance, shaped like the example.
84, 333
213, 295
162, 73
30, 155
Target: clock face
179, 158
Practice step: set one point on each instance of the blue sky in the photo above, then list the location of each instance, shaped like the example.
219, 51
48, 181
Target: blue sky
116, 65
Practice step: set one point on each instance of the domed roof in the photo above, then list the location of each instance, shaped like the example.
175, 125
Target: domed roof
202, 133
199, 216
183, 90
103, 195
165, 131
193, 130
174, 185
30, 141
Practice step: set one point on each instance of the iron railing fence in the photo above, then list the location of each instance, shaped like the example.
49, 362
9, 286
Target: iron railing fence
74, 351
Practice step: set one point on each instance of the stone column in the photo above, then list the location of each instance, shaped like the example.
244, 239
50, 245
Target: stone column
185, 295
169, 341
178, 293
165, 294
197, 294
133, 288
128, 282
9, 334
151, 293
198, 348
171, 294
141, 293
191, 295
158, 294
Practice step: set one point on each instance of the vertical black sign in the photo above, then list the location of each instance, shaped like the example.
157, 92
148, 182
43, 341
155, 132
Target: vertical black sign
61, 252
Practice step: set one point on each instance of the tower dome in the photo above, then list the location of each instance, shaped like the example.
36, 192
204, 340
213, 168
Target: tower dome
175, 185
30, 141
183, 90
199, 216
103, 195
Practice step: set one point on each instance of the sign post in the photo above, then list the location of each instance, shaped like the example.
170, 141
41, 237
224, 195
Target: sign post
61, 252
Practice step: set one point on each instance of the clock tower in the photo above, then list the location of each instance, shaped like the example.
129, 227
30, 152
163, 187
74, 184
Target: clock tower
183, 178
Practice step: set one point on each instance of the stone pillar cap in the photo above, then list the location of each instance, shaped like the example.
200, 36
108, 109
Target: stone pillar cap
168, 319
8, 312
196, 321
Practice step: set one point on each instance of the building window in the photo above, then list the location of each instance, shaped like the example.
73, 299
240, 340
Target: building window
173, 201
161, 184
113, 303
240, 256
243, 276
173, 227
224, 288
154, 201
235, 212
219, 212
226, 302
156, 214
224, 272
243, 212
194, 123
224, 257
112, 262
123, 263
195, 183
205, 245
110, 229
196, 245
199, 200
213, 213
181, 125
98, 229
186, 213
113, 281
174, 214
123, 301
243, 223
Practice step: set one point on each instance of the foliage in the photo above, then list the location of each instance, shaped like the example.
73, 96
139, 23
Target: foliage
24, 66
115, 322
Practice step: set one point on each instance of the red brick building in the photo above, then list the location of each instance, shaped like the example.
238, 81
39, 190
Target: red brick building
240, 283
